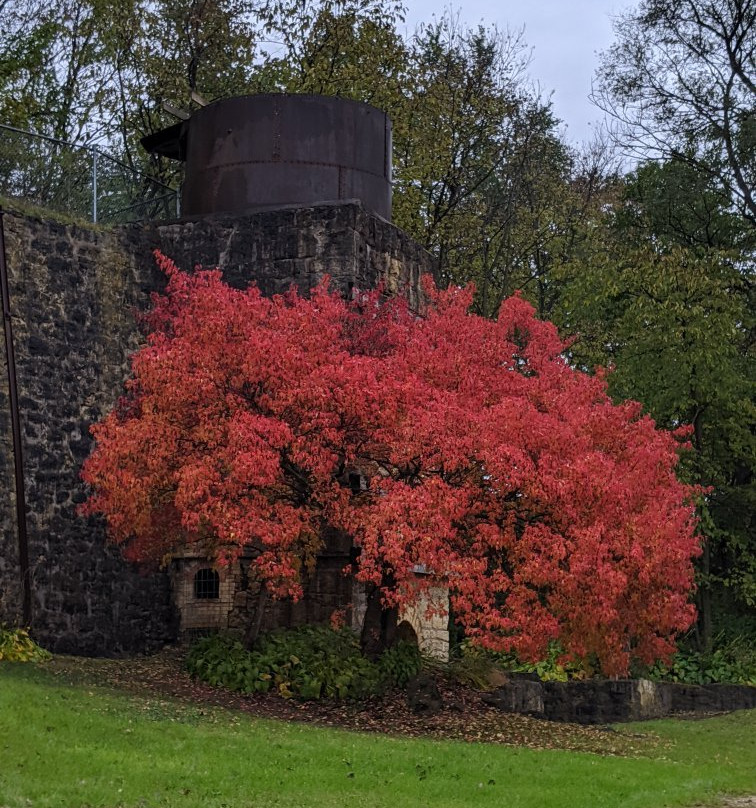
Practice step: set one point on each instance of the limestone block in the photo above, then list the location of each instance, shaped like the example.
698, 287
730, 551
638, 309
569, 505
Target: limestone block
432, 631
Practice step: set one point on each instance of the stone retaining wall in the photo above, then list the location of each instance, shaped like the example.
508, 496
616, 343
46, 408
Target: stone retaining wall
607, 701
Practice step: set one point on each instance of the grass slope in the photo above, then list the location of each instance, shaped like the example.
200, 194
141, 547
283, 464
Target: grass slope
72, 746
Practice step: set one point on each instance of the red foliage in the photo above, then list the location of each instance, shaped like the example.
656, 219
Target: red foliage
548, 511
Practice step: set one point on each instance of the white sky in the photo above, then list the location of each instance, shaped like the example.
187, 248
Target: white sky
565, 35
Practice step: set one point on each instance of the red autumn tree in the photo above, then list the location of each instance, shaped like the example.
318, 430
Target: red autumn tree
549, 512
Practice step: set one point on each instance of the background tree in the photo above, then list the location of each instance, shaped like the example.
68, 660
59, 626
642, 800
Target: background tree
334, 47
163, 51
477, 172
54, 80
663, 295
53, 68
681, 83
680, 86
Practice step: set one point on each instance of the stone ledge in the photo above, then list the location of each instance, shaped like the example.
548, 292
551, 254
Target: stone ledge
610, 701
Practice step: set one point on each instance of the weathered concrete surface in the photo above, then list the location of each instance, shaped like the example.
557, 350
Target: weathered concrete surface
709, 698
277, 248
519, 695
604, 701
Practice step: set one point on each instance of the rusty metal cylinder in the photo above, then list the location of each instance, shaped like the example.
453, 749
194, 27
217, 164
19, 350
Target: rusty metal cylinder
261, 151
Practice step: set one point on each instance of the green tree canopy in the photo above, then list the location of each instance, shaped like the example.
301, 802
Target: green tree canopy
659, 294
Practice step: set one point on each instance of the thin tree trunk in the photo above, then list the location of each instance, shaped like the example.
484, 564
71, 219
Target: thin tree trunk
253, 630
704, 626
379, 625
704, 603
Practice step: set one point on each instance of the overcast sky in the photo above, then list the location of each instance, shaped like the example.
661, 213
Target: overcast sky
565, 36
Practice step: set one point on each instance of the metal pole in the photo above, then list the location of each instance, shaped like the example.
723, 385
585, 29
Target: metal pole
94, 184
18, 462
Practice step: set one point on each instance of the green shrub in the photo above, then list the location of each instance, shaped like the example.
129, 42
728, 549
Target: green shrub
310, 662
472, 666
222, 661
732, 662
550, 669
319, 662
17, 646
400, 663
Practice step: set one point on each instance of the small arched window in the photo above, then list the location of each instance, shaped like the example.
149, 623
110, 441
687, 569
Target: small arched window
206, 584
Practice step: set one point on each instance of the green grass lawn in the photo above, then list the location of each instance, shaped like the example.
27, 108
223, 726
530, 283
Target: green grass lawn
63, 745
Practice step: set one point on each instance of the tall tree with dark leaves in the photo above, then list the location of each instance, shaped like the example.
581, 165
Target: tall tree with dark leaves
664, 292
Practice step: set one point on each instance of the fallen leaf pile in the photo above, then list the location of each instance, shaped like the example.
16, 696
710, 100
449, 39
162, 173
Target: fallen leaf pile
464, 716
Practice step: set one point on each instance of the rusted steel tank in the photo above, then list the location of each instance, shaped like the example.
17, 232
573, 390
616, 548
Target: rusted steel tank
270, 150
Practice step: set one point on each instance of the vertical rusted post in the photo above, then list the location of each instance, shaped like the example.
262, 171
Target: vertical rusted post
94, 184
18, 463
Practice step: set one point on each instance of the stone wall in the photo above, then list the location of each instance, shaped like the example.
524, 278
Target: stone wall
607, 701
73, 293
285, 246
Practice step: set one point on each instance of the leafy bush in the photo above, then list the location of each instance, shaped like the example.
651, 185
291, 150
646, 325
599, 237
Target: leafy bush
321, 662
733, 662
400, 663
222, 661
550, 669
17, 646
472, 666
310, 662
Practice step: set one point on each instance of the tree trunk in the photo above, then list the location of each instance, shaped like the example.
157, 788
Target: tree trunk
704, 628
379, 625
253, 629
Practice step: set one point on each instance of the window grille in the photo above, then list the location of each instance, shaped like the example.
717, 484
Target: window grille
206, 584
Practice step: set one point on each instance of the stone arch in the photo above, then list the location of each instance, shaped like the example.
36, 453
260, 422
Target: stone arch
405, 632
